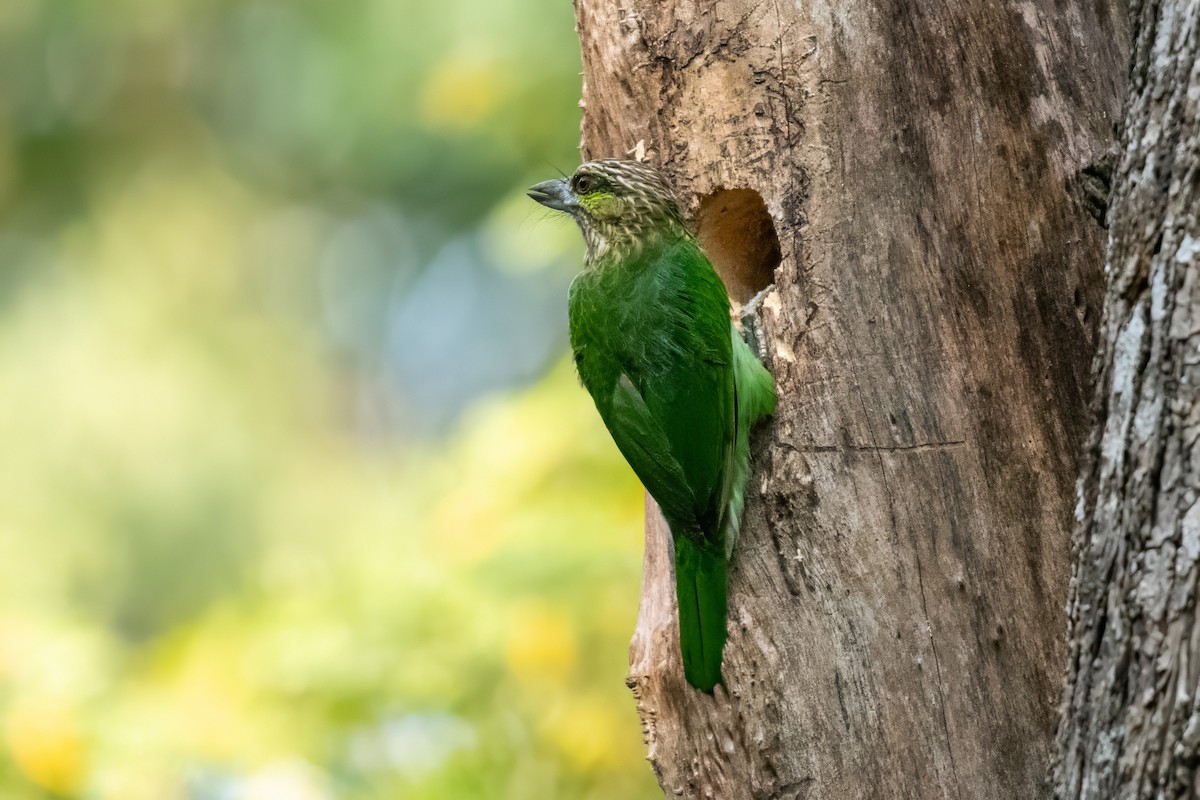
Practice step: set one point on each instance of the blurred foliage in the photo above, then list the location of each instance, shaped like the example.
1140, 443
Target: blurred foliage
299, 498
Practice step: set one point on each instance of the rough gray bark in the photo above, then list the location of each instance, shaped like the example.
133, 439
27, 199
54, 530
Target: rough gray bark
896, 603
1130, 724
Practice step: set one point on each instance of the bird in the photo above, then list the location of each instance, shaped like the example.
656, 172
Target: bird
674, 382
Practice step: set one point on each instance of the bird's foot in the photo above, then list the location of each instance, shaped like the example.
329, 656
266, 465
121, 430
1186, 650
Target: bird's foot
752, 326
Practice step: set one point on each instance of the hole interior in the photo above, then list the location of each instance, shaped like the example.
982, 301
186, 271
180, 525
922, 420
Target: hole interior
735, 230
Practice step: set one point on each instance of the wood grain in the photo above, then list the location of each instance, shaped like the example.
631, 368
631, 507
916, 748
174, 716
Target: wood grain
897, 599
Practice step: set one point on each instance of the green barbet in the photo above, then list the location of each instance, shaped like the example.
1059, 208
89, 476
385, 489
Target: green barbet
673, 380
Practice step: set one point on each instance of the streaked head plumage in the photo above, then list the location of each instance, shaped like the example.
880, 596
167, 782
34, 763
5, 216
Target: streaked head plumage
619, 205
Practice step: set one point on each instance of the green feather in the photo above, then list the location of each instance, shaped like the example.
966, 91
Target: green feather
679, 390
755, 393
672, 379
700, 588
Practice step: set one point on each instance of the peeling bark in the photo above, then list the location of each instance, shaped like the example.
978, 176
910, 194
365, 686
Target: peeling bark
896, 600
1130, 725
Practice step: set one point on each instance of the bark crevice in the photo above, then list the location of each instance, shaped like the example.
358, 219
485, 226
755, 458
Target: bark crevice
931, 327
1129, 726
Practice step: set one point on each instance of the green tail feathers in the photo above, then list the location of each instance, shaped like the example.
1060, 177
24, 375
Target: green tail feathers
700, 588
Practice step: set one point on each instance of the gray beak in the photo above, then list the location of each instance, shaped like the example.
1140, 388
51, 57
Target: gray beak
555, 194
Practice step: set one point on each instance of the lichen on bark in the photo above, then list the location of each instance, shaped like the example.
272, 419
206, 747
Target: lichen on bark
1130, 721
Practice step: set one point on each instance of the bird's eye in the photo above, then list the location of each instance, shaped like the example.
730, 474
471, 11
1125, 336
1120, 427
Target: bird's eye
584, 184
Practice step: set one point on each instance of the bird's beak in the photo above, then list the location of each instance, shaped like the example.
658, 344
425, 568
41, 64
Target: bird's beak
555, 194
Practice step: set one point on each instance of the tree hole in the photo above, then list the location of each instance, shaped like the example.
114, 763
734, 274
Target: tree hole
738, 235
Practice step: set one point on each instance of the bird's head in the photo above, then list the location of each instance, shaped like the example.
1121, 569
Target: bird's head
619, 205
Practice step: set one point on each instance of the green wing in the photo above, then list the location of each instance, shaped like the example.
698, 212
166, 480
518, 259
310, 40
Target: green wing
646, 447
652, 345
678, 390
701, 565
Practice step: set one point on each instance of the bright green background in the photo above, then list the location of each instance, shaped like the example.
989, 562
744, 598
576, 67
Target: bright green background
298, 496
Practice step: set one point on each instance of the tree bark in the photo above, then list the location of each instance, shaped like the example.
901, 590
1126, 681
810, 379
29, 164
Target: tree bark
904, 172
1130, 725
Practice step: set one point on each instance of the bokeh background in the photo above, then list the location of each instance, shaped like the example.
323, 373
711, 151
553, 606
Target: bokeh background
298, 497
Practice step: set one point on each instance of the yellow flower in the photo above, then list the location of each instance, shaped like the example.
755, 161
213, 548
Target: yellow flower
590, 733
461, 92
541, 646
44, 741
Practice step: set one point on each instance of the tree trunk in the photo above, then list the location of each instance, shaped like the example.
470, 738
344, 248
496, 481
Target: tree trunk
896, 600
1130, 725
